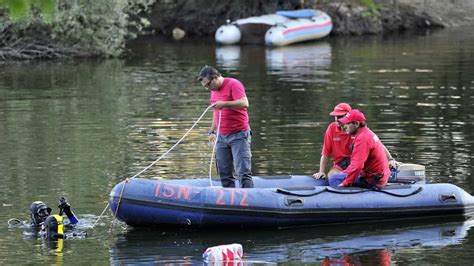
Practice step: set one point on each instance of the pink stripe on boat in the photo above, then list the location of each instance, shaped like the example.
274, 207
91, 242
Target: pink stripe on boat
307, 27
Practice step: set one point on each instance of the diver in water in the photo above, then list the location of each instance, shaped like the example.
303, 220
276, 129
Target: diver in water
52, 226
39, 211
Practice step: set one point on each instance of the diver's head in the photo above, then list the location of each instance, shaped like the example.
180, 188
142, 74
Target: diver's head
39, 212
53, 227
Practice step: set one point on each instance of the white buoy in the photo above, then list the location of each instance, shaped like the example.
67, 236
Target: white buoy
228, 34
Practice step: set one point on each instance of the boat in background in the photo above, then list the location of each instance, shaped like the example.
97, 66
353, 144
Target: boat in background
279, 29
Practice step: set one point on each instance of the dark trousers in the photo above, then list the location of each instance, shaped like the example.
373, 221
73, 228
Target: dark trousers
233, 156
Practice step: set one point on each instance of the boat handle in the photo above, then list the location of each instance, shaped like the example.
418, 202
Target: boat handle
294, 202
447, 198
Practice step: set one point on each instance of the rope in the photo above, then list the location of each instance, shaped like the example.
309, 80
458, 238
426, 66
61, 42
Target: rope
119, 200
176, 144
153, 163
398, 195
214, 148
286, 192
100, 216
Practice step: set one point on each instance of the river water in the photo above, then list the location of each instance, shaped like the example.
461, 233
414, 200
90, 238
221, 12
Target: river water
75, 129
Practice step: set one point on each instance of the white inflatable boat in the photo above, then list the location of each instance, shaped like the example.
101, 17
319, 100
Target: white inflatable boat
281, 28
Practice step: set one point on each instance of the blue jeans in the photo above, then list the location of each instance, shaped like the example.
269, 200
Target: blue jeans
233, 155
338, 178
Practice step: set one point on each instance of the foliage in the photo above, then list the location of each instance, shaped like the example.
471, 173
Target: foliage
96, 26
373, 8
99, 27
19, 9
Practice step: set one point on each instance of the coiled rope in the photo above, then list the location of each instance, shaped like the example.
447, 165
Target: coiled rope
161, 157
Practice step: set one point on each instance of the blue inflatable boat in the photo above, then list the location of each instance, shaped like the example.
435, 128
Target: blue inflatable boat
280, 201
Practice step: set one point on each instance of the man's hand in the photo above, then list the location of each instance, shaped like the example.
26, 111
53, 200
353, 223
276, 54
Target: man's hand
219, 105
393, 163
212, 139
319, 175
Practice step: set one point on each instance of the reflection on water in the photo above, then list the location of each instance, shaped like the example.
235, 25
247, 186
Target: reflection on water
309, 62
75, 129
228, 56
320, 244
304, 62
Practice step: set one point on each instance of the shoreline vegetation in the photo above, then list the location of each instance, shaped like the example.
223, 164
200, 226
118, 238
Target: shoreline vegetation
69, 29
64, 29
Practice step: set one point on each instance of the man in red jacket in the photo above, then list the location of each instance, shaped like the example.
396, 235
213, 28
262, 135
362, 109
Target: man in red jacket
369, 166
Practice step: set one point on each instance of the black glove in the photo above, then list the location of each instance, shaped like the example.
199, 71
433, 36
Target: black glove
63, 206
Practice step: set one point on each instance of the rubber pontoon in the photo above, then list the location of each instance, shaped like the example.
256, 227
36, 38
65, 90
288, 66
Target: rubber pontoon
280, 201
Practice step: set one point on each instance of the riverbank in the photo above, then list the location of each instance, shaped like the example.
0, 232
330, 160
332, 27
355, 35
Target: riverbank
349, 18
85, 37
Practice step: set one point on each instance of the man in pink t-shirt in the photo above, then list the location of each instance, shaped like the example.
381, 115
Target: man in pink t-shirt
231, 122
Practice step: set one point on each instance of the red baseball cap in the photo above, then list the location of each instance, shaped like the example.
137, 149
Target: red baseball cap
353, 116
341, 109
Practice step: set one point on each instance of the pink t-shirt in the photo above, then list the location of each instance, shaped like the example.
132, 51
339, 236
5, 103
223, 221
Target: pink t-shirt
232, 120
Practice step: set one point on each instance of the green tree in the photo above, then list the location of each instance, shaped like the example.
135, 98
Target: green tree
57, 28
19, 9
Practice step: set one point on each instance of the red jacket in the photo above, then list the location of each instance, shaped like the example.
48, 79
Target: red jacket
367, 159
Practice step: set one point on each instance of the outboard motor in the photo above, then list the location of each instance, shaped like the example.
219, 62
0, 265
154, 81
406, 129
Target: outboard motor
39, 212
407, 173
